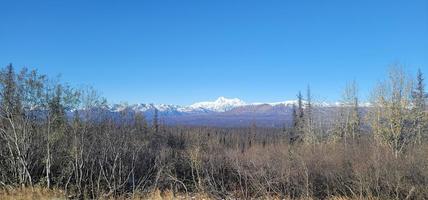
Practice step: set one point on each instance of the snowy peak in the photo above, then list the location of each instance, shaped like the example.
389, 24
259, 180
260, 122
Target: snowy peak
223, 112
282, 103
145, 107
222, 104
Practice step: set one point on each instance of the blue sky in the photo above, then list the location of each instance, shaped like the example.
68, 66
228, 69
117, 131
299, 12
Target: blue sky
183, 51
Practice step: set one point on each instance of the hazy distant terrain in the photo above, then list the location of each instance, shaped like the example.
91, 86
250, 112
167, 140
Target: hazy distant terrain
222, 113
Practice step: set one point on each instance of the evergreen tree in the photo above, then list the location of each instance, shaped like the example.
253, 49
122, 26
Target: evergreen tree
9, 92
419, 107
294, 123
140, 123
300, 106
309, 135
155, 124
298, 120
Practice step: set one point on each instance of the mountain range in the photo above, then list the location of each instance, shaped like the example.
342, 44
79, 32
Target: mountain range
228, 112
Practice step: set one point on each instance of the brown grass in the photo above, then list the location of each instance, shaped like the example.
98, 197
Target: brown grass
34, 193
39, 193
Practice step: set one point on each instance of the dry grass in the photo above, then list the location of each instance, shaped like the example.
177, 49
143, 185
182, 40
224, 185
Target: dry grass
34, 193
169, 195
38, 193
166, 196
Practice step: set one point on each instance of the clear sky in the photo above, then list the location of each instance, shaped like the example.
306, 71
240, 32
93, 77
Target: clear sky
183, 51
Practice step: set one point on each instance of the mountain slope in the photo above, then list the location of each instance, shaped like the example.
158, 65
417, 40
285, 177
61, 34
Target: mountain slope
221, 112
222, 104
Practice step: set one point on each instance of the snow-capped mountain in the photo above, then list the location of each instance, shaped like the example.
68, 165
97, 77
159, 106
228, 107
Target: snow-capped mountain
222, 104
283, 103
145, 107
221, 112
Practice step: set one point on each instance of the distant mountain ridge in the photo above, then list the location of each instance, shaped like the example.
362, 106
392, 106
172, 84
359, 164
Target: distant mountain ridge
220, 112
221, 104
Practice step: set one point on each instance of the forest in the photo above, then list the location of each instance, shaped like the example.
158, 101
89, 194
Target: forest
60, 138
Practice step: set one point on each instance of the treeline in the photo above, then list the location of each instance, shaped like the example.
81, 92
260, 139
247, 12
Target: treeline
396, 115
56, 136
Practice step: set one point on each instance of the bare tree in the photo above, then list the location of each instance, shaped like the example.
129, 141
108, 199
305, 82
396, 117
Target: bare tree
391, 116
349, 120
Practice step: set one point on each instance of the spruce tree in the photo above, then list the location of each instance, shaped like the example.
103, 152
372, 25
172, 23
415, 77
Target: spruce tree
309, 135
156, 121
419, 107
